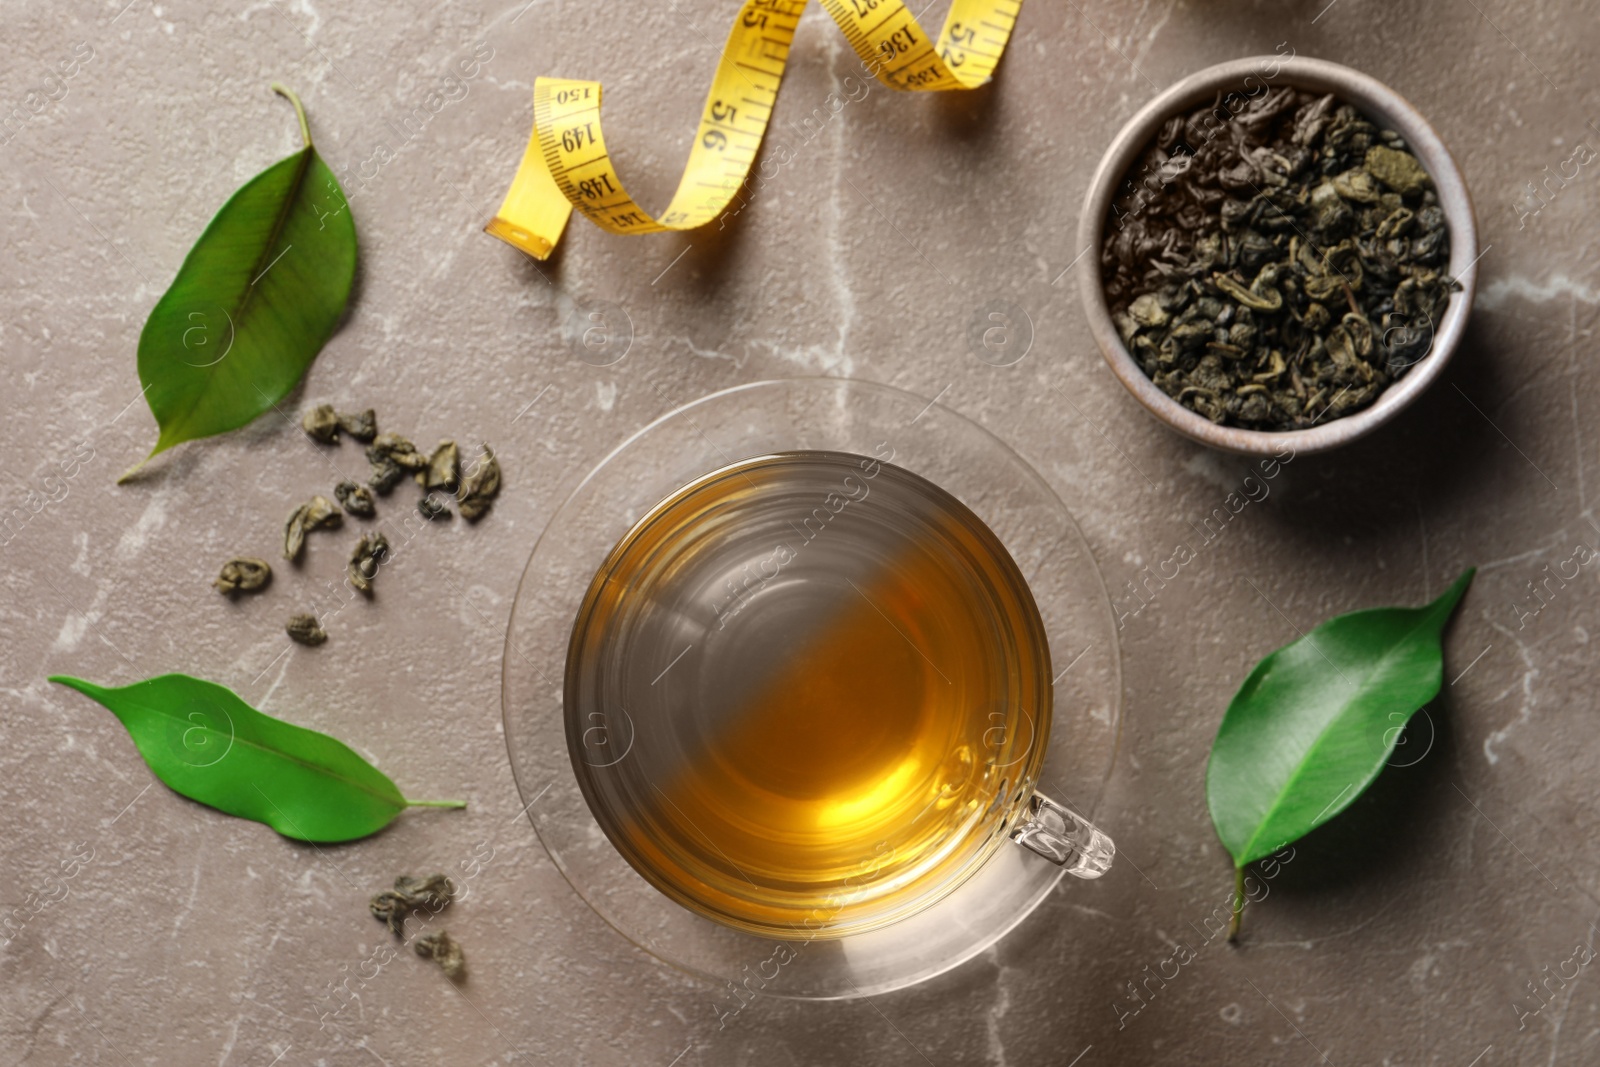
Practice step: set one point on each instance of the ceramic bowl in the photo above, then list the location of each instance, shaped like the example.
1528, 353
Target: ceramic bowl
1383, 106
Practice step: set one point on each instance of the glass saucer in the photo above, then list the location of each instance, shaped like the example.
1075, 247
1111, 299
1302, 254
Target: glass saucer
756, 420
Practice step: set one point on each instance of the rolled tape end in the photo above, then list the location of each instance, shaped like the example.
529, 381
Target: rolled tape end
520, 238
534, 213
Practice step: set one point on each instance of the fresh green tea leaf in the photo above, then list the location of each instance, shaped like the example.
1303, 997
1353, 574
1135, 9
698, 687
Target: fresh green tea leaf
1316, 720
206, 743
256, 298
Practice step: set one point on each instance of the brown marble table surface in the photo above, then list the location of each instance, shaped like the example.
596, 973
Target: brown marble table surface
1430, 925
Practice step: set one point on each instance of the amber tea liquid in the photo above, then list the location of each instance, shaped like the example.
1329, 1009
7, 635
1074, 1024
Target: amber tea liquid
807, 694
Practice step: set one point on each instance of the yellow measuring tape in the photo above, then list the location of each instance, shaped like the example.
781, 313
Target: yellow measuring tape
566, 164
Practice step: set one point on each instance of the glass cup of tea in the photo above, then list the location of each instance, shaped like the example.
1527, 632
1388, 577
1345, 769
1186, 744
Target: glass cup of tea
787, 672
809, 694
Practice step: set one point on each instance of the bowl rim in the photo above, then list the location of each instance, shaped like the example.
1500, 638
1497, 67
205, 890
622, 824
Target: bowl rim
1384, 106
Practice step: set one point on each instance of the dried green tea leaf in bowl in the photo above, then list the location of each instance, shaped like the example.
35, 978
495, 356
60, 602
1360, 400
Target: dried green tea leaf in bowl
1282, 270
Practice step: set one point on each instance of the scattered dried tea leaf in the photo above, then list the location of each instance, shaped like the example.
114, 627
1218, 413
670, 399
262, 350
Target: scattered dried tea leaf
433, 892
479, 486
390, 909
386, 474
396, 449
318, 513
321, 424
371, 552
361, 425
444, 468
411, 894
391, 457
356, 499
432, 506
243, 575
305, 629
444, 950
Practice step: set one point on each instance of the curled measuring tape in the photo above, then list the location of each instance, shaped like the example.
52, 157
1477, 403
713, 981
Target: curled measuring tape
566, 165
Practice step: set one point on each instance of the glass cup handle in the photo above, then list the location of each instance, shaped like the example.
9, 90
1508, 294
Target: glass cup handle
1064, 837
